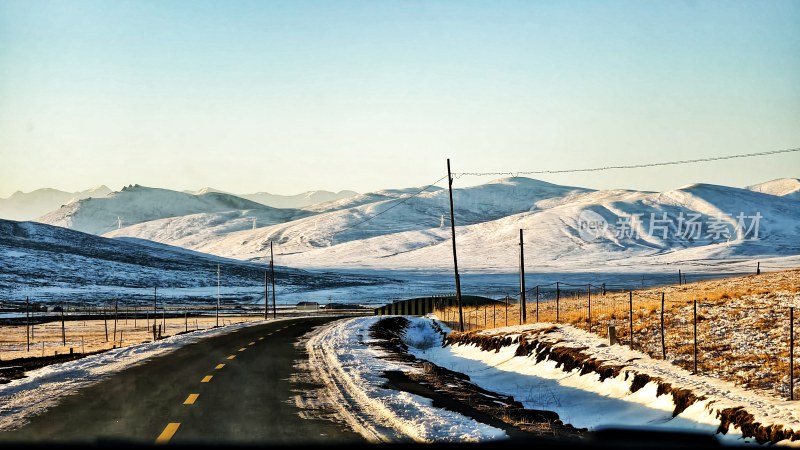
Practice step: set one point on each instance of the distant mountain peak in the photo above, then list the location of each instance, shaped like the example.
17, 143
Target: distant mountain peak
782, 187
28, 206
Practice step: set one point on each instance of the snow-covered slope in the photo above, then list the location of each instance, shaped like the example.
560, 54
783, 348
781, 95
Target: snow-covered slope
193, 230
370, 197
137, 204
783, 187
30, 205
409, 229
48, 262
694, 223
206, 190
399, 225
298, 201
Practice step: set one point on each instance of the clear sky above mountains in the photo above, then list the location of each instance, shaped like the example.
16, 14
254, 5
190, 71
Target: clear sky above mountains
287, 97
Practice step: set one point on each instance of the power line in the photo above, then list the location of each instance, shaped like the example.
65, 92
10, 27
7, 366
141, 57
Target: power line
632, 166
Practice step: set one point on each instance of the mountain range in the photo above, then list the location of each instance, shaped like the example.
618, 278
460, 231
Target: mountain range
142, 235
409, 228
30, 205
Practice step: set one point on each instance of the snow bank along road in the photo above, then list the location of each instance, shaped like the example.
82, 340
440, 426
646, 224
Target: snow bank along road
588, 383
233, 387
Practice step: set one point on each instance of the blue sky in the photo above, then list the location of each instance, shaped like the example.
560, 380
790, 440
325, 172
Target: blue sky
297, 95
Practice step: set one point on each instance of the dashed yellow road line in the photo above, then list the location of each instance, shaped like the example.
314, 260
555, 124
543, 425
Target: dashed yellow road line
168, 432
191, 399
219, 366
261, 338
252, 343
232, 357
206, 378
242, 349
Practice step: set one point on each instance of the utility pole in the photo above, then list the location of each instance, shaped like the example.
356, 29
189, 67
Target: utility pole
155, 307
523, 313
266, 294
63, 329
217, 294
455, 255
28, 322
115, 320
272, 271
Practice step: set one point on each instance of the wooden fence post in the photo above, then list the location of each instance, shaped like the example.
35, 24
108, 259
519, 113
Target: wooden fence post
537, 303
589, 299
558, 298
695, 336
630, 315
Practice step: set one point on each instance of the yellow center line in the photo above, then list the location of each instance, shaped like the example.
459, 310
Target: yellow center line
191, 399
206, 378
219, 366
252, 343
242, 349
168, 432
232, 357
261, 338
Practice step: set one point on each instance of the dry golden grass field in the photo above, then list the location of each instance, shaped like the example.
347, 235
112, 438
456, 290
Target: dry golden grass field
84, 336
742, 324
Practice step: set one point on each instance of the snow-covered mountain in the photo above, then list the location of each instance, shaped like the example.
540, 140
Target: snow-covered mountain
782, 187
689, 225
136, 204
297, 201
395, 210
47, 262
191, 231
566, 228
30, 205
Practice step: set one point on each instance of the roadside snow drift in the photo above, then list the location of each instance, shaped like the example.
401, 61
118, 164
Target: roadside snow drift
342, 359
590, 384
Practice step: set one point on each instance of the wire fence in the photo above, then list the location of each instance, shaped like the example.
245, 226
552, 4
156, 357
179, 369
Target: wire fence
746, 337
35, 333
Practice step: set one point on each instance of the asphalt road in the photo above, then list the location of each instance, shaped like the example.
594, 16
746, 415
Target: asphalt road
232, 388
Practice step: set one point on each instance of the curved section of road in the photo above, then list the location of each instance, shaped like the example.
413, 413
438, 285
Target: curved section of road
232, 388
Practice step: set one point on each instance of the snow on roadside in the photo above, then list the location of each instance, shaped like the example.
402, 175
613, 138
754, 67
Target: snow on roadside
585, 400
43, 388
351, 369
